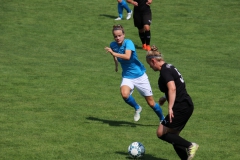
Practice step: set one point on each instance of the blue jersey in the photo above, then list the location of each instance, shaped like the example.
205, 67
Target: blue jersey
131, 68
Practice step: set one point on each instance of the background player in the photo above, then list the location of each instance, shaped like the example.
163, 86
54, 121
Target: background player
142, 16
122, 4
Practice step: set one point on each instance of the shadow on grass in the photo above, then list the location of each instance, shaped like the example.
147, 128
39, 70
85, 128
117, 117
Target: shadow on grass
145, 157
116, 123
109, 16
138, 47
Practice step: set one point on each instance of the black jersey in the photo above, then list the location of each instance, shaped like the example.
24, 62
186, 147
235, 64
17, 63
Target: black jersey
170, 73
142, 6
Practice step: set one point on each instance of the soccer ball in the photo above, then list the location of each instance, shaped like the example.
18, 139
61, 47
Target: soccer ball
136, 150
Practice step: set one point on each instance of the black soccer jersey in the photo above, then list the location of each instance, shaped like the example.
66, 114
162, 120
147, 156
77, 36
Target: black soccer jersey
142, 6
170, 73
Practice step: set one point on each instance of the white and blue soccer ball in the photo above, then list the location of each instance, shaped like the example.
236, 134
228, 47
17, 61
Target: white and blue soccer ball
136, 150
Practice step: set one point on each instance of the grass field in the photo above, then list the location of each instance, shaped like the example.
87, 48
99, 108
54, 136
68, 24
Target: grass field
60, 99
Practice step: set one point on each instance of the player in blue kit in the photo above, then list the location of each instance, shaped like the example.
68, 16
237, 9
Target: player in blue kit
133, 72
122, 4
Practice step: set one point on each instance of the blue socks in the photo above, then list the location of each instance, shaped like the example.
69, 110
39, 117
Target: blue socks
131, 101
157, 109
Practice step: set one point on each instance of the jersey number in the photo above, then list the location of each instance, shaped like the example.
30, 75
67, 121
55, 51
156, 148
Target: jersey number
181, 78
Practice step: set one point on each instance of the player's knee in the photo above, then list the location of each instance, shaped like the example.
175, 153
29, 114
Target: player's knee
146, 28
125, 96
161, 131
160, 134
151, 104
150, 101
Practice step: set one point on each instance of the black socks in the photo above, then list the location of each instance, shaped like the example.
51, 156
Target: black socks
147, 37
175, 139
142, 37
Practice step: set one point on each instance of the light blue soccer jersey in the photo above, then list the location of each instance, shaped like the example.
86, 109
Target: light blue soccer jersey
131, 68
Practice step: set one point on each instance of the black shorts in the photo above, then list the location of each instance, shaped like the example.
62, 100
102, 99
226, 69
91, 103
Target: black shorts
182, 112
142, 18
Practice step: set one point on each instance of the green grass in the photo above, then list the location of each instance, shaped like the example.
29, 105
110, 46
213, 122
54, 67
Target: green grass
60, 97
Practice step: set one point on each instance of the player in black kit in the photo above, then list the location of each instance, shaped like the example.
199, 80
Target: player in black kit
180, 105
142, 17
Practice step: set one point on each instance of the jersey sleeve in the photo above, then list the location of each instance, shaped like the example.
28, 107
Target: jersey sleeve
130, 45
167, 75
111, 44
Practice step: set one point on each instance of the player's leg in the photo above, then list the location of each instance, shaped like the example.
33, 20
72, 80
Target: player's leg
170, 135
169, 132
126, 90
181, 152
120, 10
180, 144
147, 20
155, 106
137, 17
143, 86
125, 6
142, 37
129, 11
127, 97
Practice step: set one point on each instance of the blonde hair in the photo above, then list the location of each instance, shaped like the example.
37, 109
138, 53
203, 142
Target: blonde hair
154, 53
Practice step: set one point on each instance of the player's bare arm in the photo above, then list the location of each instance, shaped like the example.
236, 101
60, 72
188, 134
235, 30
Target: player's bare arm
132, 2
171, 98
116, 63
125, 56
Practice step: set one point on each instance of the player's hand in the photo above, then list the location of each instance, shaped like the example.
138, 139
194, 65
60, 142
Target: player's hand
116, 69
171, 115
108, 50
162, 100
149, 2
134, 3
